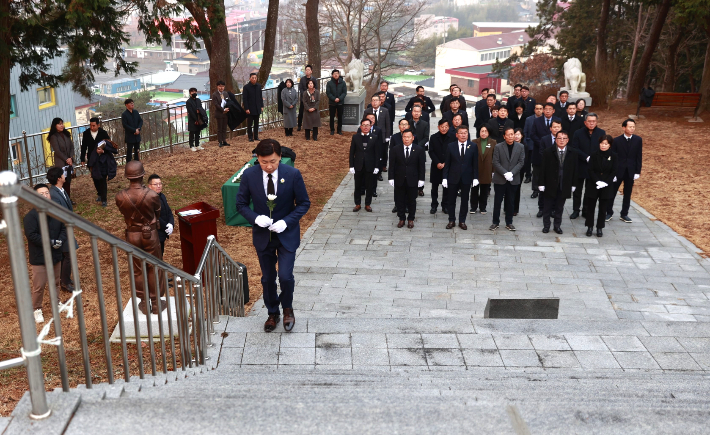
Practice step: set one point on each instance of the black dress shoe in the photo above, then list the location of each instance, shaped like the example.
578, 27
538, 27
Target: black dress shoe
609, 216
68, 288
271, 322
558, 230
289, 319
374, 194
394, 210
539, 214
599, 232
527, 180
590, 230
432, 211
379, 177
534, 194
574, 215
445, 210
332, 132
626, 219
545, 230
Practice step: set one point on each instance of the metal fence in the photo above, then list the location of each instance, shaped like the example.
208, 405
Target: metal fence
163, 129
216, 288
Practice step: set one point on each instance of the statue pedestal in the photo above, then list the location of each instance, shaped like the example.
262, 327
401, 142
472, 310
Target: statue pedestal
129, 324
577, 96
353, 109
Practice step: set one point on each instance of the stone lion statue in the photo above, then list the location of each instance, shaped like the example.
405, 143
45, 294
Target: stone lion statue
575, 79
354, 73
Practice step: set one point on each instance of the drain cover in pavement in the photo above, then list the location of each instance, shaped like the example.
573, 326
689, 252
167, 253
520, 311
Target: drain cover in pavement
543, 308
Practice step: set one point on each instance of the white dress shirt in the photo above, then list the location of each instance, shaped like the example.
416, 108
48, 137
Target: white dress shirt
274, 177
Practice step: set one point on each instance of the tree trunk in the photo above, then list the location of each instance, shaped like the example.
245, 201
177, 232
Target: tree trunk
669, 79
690, 75
272, 20
639, 29
5, 85
639, 77
313, 36
705, 80
600, 57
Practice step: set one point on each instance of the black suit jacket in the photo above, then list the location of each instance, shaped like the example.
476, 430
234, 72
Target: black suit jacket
88, 143
529, 105
365, 152
58, 197
389, 104
630, 155
426, 110
437, 152
540, 147
596, 173
549, 175
444, 107
421, 132
492, 126
571, 127
252, 99
461, 170
478, 111
396, 140
57, 231
540, 128
449, 116
407, 173
586, 144
384, 121
560, 111
165, 218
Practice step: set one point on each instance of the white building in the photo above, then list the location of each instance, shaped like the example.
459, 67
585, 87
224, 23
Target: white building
477, 51
481, 28
430, 25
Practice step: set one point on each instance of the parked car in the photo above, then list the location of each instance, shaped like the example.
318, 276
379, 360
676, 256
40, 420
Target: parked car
411, 72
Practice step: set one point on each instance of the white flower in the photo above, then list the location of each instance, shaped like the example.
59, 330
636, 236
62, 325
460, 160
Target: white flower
283, 181
271, 197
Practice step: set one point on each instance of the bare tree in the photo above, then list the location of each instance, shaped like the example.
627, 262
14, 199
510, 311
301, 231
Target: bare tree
313, 36
272, 19
637, 39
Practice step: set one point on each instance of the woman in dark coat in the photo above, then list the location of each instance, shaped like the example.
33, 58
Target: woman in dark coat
311, 117
518, 116
63, 147
289, 98
480, 193
581, 108
600, 183
196, 120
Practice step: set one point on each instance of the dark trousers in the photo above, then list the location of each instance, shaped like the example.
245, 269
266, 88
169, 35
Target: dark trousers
536, 169
195, 139
589, 203
553, 206
405, 197
162, 246
628, 181
577, 196
516, 202
315, 133
288, 131
504, 192
435, 196
268, 258
221, 128
253, 127
463, 212
385, 149
364, 180
300, 115
479, 196
101, 186
132, 150
527, 166
66, 269
339, 111
67, 185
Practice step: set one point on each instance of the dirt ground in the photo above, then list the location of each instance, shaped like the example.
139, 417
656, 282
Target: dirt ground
188, 177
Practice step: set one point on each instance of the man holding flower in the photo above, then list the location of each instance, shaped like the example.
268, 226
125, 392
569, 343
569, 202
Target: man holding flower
280, 201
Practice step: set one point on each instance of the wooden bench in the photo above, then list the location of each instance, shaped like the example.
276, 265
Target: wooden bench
673, 99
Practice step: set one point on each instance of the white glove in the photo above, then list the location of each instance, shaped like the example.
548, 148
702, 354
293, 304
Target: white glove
508, 176
421, 183
387, 140
426, 146
392, 183
377, 171
574, 188
475, 183
614, 180
601, 184
445, 184
352, 170
169, 229
263, 221
278, 226
56, 244
587, 158
636, 176
542, 188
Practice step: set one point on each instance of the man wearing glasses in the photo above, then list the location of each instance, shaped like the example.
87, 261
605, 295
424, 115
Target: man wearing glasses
167, 221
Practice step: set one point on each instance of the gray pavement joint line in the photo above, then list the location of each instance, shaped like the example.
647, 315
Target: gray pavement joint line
517, 421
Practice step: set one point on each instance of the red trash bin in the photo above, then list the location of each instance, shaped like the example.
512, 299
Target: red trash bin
194, 230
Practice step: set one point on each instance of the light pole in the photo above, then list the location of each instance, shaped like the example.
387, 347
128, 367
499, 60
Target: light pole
445, 35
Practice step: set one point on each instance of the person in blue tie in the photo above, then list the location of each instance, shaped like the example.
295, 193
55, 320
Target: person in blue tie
460, 172
280, 201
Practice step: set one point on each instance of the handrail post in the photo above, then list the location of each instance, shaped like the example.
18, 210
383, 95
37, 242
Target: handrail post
170, 127
9, 189
27, 158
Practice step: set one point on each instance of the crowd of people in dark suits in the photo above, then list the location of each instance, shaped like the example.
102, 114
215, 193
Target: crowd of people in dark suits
555, 146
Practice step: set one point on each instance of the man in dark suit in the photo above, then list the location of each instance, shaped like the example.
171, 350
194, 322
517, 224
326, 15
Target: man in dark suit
510, 104
557, 179
478, 109
540, 128
427, 105
547, 141
561, 105
382, 158
438, 143
253, 104
364, 163
529, 144
572, 122
585, 141
220, 110
132, 125
276, 232
389, 102
56, 178
496, 126
453, 96
508, 161
629, 148
528, 100
383, 120
407, 172
455, 110
166, 218
460, 172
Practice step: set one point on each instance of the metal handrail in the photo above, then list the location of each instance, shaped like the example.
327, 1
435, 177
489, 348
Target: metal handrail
197, 298
163, 129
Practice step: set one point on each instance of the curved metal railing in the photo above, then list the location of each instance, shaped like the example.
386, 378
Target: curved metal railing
198, 299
